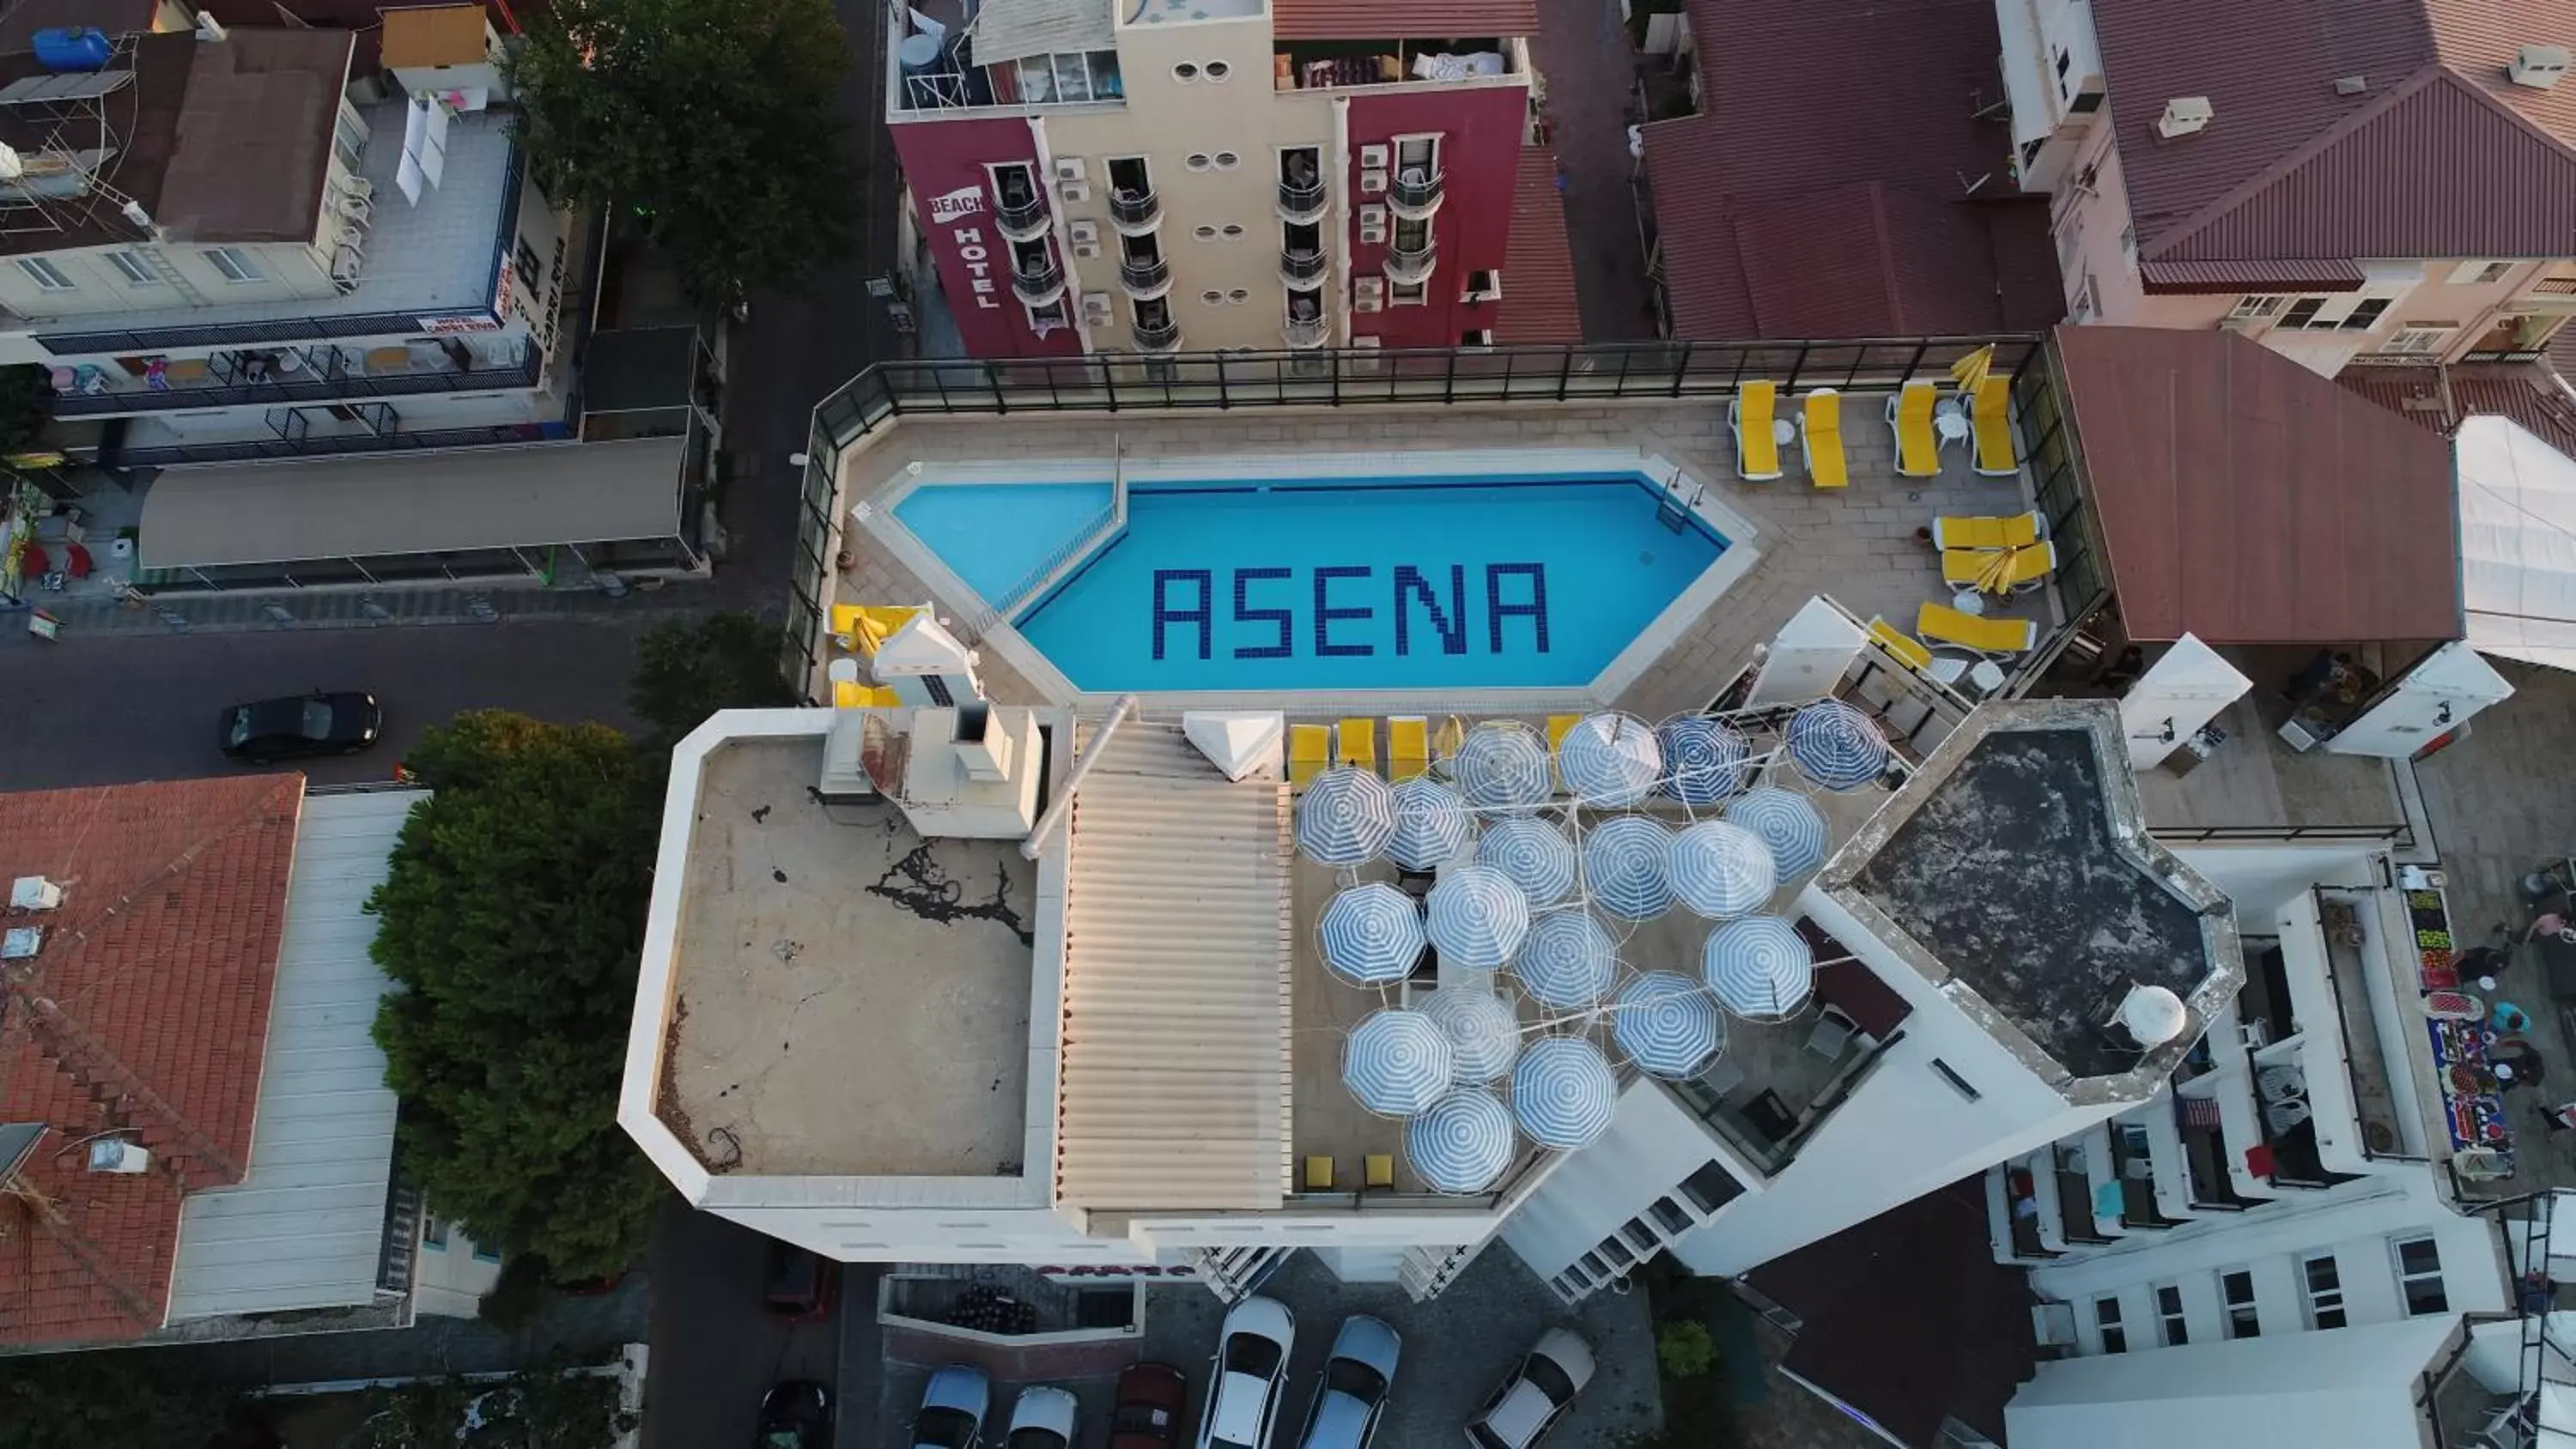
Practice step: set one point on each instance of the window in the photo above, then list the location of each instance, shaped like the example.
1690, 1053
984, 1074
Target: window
2478, 273
45, 273
2236, 1295
1198, 161
1203, 232
1238, 296
1212, 297
2416, 339
433, 1233
1712, 1187
2349, 312
1406, 294
133, 268
1185, 72
235, 264
2169, 1315
1233, 231
1477, 337
2419, 1277
1067, 78
1227, 160
2323, 1284
1218, 70
1958, 1084
349, 139
2106, 1315
1670, 1214
483, 1254
1483, 287
2256, 305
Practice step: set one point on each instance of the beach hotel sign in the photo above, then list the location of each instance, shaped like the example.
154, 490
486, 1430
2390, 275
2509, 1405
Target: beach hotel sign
974, 252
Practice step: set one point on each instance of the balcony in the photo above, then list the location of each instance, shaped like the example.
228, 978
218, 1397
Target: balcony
1025, 219
1135, 213
286, 375
1416, 194
1411, 266
1158, 336
1303, 271
1038, 283
1145, 278
1303, 203
1307, 331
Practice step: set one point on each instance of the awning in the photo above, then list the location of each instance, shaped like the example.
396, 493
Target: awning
263, 513
2517, 542
1018, 29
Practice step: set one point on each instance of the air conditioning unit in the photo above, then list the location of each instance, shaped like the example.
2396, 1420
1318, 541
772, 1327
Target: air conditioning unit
1373, 158
1095, 304
1068, 168
34, 893
20, 942
1084, 233
1368, 287
1073, 191
2184, 116
1086, 250
2538, 66
1366, 363
1372, 216
1373, 183
1369, 304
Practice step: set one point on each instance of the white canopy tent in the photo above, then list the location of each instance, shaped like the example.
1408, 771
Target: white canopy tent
2517, 543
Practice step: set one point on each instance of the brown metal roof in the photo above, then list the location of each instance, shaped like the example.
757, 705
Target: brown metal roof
2440, 398
1782, 213
2286, 274
428, 36
1538, 264
2247, 500
1413, 20
255, 137
143, 127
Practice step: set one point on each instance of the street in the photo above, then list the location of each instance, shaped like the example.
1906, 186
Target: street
715, 1352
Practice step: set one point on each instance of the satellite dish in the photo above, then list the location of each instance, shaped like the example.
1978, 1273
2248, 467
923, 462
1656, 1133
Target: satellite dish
2153, 1015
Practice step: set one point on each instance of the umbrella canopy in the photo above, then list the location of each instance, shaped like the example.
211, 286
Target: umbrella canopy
1568, 961
1623, 866
1346, 816
1397, 1062
1461, 1143
1477, 917
1836, 745
1534, 853
1484, 1036
1667, 1025
1720, 870
1704, 759
1431, 824
1610, 759
1371, 935
1502, 763
1563, 1092
1786, 823
1760, 968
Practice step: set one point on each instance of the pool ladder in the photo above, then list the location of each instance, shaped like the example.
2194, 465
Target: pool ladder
1670, 510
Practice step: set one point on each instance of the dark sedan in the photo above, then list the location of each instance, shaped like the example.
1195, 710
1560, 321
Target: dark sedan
1153, 1400
301, 725
795, 1415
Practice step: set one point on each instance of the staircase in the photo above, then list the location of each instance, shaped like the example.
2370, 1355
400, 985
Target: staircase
1234, 1273
162, 267
1425, 1271
401, 1239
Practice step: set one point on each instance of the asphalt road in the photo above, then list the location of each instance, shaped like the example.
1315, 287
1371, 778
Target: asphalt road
715, 1352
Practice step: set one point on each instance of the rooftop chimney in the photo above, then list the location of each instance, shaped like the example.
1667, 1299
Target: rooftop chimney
2184, 116
115, 1154
2537, 66
34, 893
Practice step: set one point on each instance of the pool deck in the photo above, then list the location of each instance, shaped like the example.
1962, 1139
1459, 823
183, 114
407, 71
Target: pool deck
1854, 544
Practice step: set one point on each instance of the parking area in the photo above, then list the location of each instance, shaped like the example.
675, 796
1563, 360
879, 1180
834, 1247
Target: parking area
1457, 1347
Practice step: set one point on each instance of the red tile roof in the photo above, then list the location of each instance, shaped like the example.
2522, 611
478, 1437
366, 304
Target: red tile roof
1795, 205
2437, 156
1538, 264
1413, 20
145, 1012
2440, 398
2244, 499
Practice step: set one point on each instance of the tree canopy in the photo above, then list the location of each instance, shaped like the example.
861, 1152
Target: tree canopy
85, 1400
711, 120
687, 670
512, 921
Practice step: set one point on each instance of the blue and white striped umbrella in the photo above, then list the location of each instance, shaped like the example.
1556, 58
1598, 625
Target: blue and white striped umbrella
1502, 763
1484, 1036
1534, 853
1477, 917
1371, 935
1668, 1025
1623, 866
1397, 1062
1836, 745
1704, 759
1568, 962
1760, 968
1721, 871
1346, 816
1610, 759
1431, 824
1563, 1092
1461, 1143
1787, 823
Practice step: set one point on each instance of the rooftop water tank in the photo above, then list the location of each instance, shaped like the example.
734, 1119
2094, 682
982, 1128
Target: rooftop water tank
69, 48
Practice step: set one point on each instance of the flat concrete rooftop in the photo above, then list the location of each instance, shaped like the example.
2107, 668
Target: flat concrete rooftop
851, 999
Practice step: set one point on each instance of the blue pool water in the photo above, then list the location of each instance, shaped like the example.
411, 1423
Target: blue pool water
994, 535
1363, 584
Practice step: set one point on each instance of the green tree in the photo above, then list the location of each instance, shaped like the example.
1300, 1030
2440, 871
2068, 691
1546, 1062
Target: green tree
687, 670
84, 1400
710, 119
1684, 1348
512, 920
26, 403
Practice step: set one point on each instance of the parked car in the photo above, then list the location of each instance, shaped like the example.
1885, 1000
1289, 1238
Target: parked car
801, 1282
1043, 1418
1251, 1369
1529, 1403
796, 1414
1153, 1399
1357, 1375
301, 725
952, 1408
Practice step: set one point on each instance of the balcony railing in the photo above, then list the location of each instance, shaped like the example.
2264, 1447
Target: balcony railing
318, 380
1302, 201
325, 444
1021, 220
1302, 270
1307, 331
1411, 265
1135, 211
1145, 278
1158, 336
1038, 283
1416, 194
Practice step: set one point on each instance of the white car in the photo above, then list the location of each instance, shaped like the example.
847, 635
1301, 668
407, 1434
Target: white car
1043, 1418
952, 1408
1357, 1374
1251, 1370
1530, 1402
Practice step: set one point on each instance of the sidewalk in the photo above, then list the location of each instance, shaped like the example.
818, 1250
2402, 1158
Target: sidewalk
353, 609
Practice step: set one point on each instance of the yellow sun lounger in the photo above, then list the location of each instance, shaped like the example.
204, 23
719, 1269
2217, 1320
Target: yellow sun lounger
1820, 438
1904, 648
1942, 624
1558, 727
1408, 746
851, 694
1990, 422
1909, 418
1753, 414
1355, 743
1998, 570
2018, 531
1310, 749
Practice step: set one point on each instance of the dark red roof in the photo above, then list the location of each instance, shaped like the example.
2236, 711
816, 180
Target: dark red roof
145, 1012
2242, 498
2264, 274
2440, 398
1795, 205
1413, 20
1538, 264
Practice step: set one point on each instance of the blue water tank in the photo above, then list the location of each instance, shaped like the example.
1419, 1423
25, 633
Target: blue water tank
73, 49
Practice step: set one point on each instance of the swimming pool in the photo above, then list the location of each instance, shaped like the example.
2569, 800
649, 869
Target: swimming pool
1358, 583
996, 535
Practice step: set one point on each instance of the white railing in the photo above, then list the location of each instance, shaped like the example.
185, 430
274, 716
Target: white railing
1043, 575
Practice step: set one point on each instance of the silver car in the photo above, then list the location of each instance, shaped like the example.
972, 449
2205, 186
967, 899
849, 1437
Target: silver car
1357, 1375
1251, 1370
1536, 1395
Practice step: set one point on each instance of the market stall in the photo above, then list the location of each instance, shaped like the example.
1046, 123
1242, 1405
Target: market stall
2466, 1044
